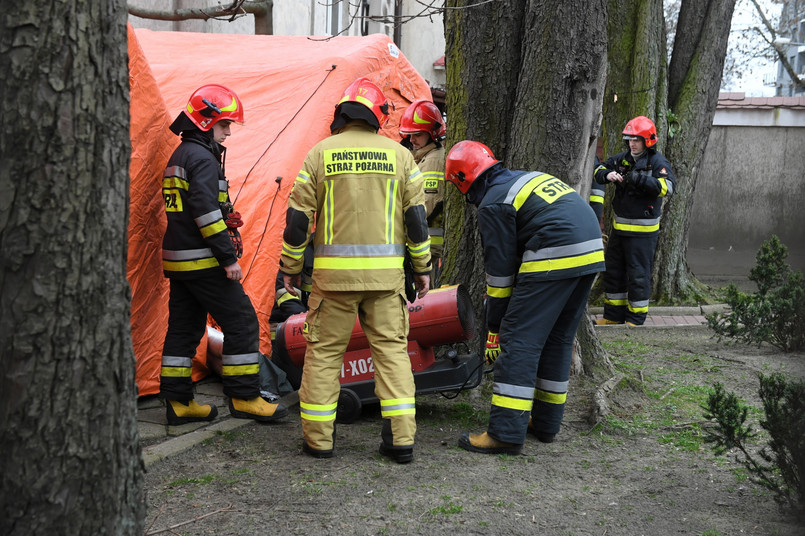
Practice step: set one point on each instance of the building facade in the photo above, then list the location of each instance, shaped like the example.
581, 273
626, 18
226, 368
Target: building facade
417, 30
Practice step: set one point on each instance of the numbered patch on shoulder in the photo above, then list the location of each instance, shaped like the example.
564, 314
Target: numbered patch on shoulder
552, 189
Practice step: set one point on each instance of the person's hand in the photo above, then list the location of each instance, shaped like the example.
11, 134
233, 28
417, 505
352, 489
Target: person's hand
614, 176
492, 347
422, 283
290, 282
233, 272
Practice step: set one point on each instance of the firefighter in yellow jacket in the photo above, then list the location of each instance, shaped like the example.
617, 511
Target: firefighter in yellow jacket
365, 193
422, 128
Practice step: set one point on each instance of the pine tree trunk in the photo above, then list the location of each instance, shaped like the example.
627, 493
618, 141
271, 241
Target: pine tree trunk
699, 52
71, 461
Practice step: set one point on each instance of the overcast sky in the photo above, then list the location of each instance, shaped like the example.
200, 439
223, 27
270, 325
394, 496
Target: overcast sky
745, 16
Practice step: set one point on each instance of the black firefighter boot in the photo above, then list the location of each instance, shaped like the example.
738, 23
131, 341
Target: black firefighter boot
400, 454
543, 437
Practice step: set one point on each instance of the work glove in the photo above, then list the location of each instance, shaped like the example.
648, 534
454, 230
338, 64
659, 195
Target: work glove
492, 348
237, 241
233, 220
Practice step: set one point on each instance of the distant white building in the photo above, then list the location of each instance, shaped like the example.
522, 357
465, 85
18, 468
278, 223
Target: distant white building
792, 42
420, 36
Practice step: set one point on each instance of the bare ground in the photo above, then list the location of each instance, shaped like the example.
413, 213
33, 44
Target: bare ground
646, 471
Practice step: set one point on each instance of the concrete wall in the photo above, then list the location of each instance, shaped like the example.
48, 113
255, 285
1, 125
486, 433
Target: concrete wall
751, 185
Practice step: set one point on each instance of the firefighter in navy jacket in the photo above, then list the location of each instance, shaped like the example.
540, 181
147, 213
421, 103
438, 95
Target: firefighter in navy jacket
542, 249
200, 252
642, 178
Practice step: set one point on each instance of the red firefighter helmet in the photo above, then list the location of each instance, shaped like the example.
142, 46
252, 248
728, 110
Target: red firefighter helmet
212, 103
422, 116
641, 127
466, 161
364, 91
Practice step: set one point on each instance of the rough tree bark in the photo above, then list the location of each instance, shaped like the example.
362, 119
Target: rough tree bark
530, 89
483, 47
636, 81
694, 78
71, 460
636, 76
684, 95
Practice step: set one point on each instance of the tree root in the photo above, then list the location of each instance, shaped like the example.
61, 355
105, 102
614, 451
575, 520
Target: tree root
600, 407
198, 518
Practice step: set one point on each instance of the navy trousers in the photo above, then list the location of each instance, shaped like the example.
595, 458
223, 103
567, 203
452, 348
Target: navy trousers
533, 369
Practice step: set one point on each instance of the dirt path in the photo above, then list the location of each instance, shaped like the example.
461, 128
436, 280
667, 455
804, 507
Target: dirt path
645, 472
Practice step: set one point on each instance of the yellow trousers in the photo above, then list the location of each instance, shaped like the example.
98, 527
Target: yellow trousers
331, 316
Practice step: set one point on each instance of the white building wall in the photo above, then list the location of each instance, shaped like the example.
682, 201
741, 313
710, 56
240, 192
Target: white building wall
421, 39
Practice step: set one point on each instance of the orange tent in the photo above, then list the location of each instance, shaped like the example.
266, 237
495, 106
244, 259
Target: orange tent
289, 86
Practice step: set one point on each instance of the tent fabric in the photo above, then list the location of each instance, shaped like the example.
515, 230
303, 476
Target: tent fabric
289, 86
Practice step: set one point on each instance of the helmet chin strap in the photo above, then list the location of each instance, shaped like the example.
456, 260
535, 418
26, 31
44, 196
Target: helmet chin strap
477, 191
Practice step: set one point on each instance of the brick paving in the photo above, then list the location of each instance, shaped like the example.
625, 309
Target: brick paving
665, 320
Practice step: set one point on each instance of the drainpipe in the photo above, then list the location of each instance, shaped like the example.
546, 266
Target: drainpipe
397, 25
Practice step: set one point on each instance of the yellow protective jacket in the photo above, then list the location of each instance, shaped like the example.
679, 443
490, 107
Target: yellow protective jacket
365, 192
430, 160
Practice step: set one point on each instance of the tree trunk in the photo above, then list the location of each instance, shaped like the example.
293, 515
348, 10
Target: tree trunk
636, 76
483, 50
68, 433
699, 51
531, 89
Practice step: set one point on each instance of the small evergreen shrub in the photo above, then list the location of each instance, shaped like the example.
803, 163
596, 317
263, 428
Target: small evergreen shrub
775, 313
783, 472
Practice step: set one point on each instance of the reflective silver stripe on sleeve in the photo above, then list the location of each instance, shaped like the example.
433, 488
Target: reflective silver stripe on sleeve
564, 251
435, 231
516, 391
499, 281
223, 186
176, 361
186, 254
641, 222
240, 359
175, 171
208, 218
359, 250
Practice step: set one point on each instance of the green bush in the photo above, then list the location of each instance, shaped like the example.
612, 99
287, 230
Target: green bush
784, 406
775, 313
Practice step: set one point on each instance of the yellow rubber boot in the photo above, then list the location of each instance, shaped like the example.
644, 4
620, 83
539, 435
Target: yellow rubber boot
184, 412
606, 322
486, 444
256, 408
